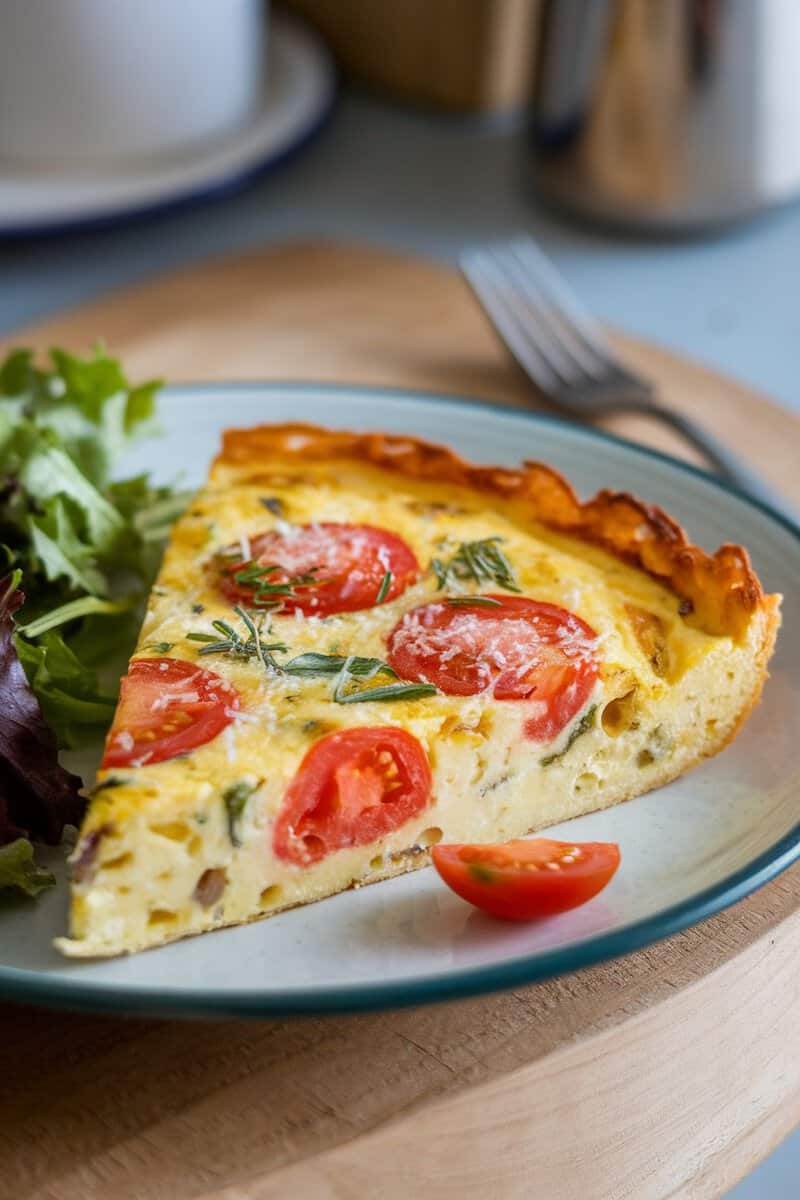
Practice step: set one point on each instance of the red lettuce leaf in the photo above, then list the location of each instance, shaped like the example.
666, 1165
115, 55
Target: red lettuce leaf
37, 796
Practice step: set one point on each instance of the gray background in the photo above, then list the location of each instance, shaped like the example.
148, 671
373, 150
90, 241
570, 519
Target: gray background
433, 186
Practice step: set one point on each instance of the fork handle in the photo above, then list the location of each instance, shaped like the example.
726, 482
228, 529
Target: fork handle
726, 462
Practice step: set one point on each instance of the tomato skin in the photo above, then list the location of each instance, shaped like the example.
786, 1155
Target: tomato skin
519, 649
353, 787
517, 880
192, 706
350, 562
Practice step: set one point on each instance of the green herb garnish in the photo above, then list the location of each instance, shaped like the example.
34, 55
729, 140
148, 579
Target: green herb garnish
331, 664
391, 691
388, 691
228, 640
235, 800
383, 590
343, 668
583, 726
473, 601
267, 594
354, 667
481, 562
159, 647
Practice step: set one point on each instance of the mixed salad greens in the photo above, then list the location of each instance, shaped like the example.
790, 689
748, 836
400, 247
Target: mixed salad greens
78, 553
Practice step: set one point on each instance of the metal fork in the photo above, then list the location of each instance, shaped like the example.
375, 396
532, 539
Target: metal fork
563, 351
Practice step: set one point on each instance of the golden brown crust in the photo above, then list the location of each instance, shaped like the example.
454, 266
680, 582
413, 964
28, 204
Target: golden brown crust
721, 591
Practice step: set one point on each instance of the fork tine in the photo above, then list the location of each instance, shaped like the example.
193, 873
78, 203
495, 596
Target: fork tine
547, 313
544, 322
498, 304
537, 265
542, 325
531, 318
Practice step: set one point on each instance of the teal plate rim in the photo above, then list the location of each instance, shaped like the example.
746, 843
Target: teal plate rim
32, 987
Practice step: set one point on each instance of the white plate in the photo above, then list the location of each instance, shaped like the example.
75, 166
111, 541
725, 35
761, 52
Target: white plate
301, 84
687, 850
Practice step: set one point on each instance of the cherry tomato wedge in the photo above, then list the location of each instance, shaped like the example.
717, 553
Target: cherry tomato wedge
167, 707
318, 569
522, 880
352, 787
517, 648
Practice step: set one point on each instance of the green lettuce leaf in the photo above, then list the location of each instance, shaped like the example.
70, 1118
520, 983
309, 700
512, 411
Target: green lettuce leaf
87, 404
59, 551
48, 472
79, 550
18, 869
67, 689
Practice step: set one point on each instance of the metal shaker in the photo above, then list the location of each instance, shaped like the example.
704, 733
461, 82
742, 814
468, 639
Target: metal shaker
667, 116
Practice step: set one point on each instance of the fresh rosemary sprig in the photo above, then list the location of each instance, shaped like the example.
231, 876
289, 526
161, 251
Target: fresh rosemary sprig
386, 691
312, 663
383, 590
267, 594
391, 691
473, 601
228, 641
348, 667
481, 562
345, 669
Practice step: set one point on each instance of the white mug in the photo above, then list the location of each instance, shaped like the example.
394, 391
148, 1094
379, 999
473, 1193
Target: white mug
96, 81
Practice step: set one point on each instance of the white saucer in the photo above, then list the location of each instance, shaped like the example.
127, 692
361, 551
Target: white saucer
301, 84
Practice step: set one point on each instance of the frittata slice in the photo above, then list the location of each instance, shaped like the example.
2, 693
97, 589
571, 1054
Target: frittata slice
360, 645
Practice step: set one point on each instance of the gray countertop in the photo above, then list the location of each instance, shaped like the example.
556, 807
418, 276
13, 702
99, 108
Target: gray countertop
433, 185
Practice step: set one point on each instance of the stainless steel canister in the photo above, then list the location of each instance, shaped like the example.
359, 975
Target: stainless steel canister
667, 115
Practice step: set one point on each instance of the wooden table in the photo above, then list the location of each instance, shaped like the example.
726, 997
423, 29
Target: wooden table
669, 1073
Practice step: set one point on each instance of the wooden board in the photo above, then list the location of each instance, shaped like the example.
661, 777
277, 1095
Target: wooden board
474, 56
669, 1073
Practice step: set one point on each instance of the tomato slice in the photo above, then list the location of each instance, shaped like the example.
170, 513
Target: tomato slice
519, 648
167, 707
352, 787
522, 880
322, 569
